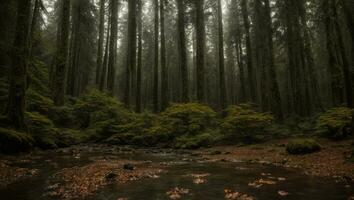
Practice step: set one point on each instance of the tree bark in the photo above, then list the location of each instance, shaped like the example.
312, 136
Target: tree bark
131, 55
164, 70
200, 37
18, 73
251, 77
112, 60
139, 66
222, 84
62, 55
100, 42
155, 92
182, 51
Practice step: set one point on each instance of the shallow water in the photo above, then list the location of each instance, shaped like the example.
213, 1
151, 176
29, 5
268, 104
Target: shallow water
223, 175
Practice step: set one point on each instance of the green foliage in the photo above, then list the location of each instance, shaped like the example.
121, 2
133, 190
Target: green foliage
96, 107
4, 89
39, 78
42, 130
302, 146
244, 124
38, 103
194, 142
12, 141
63, 116
190, 119
335, 123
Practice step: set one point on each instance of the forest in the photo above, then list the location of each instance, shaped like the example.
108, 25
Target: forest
176, 99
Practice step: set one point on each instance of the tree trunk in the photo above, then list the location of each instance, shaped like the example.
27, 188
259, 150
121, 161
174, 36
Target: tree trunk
103, 79
139, 66
346, 65
112, 60
18, 73
182, 51
62, 55
222, 85
164, 70
200, 37
155, 92
251, 77
100, 42
334, 69
131, 48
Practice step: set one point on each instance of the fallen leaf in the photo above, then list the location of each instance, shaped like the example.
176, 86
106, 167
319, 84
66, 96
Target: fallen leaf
283, 193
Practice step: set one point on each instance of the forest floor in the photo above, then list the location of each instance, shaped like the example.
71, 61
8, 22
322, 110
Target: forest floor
83, 179
331, 161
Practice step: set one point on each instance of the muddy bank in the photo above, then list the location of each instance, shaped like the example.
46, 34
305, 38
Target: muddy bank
331, 161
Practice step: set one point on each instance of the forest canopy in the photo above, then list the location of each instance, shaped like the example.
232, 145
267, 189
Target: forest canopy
282, 61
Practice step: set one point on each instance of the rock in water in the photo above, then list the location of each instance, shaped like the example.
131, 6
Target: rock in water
128, 167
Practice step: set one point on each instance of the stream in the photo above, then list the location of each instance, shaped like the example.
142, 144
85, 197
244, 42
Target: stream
235, 176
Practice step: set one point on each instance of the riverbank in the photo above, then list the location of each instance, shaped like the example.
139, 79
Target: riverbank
331, 161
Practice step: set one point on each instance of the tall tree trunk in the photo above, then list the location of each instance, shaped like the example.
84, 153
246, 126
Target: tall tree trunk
139, 66
222, 84
200, 37
239, 54
276, 105
18, 73
155, 92
103, 79
131, 55
182, 51
164, 70
62, 55
334, 65
112, 60
346, 63
251, 76
100, 42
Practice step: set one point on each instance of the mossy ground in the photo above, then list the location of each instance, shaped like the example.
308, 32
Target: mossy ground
303, 146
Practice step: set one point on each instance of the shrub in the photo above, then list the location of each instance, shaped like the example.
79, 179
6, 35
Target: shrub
244, 124
191, 119
335, 123
38, 103
12, 141
302, 146
42, 130
96, 107
63, 116
194, 142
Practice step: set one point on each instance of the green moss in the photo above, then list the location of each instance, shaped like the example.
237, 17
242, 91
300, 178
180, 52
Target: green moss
12, 141
63, 116
302, 146
191, 118
42, 130
39, 78
194, 142
96, 107
335, 123
243, 124
38, 103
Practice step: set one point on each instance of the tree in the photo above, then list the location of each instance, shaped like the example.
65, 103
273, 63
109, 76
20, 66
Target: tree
18, 73
100, 42
164, 70
200, 37
251, 78
222, 84
156, 58
139, 66
131, 48
182, 51
112, 59
61, 55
